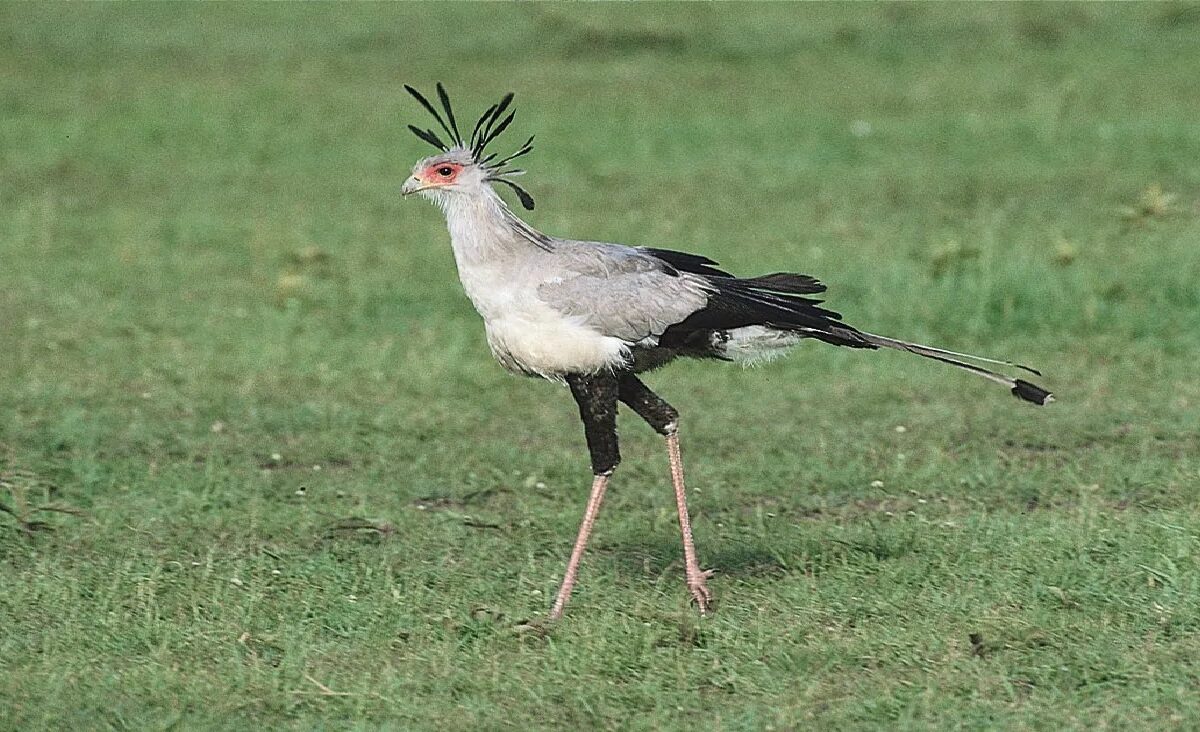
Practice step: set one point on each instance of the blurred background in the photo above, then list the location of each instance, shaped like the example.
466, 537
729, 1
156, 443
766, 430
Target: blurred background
225, 341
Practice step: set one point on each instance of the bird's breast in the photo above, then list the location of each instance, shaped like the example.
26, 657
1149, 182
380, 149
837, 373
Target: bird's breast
543, 343
528, 336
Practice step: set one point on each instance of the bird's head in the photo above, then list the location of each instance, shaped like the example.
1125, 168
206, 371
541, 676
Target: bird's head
463, 167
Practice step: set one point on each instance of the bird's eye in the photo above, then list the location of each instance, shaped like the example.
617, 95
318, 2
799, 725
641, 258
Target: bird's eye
445, 171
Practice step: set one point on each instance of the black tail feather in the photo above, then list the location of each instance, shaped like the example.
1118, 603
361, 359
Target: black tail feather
1020, 388
1031, 392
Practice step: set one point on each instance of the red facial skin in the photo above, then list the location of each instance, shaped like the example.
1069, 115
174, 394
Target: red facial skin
434, 173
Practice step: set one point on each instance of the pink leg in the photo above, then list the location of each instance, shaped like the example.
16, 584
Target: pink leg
585, 529
695, 576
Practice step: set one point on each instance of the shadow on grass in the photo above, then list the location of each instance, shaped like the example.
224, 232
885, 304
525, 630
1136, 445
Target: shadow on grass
762, 559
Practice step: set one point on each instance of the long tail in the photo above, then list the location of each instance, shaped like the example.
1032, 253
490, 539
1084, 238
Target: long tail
755, 319
1019, 387
758, 343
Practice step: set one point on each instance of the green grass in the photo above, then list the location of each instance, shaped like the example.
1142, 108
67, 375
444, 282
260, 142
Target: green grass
225, 342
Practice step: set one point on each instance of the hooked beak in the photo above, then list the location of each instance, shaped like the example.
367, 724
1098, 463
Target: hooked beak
413, 185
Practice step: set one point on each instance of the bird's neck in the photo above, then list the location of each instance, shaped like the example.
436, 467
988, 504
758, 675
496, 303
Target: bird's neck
483, 229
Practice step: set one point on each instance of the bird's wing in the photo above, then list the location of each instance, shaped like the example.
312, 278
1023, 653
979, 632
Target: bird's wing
620, 291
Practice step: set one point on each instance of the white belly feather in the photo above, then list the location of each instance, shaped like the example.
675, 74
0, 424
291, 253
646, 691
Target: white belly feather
553, 346
528, 336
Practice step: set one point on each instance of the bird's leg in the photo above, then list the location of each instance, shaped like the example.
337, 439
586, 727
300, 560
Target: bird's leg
599, 483
695, 576
665, 420
596, 396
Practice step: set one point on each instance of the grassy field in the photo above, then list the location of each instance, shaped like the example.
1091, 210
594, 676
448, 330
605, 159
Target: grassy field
260, 471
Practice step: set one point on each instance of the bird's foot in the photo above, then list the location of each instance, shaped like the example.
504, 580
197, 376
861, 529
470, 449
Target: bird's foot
701, 595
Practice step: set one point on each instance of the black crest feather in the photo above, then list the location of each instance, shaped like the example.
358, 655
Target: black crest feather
479, 125
441, 90
494, 133
429, 107
523, 150
488, 120
526, 199
490, 125
428, 136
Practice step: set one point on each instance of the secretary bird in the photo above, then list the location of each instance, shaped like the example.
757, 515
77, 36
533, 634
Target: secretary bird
594, 315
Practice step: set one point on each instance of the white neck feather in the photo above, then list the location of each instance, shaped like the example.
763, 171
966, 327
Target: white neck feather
482, 228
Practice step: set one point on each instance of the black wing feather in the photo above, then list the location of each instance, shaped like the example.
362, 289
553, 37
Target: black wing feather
687, 262
772, 300
796, 284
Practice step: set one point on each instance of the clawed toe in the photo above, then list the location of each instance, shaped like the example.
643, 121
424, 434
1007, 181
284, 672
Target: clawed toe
701, 595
